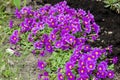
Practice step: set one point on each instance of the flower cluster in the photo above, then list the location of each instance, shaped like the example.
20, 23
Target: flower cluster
71, 30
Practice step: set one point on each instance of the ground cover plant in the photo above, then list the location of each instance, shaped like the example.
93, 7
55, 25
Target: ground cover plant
65, 33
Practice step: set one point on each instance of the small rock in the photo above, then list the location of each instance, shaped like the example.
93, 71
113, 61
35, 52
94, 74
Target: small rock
102, 41
110, 32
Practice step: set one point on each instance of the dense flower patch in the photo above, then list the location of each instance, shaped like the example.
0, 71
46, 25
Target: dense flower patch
69, 29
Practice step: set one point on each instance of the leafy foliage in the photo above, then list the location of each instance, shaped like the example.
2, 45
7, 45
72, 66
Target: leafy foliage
113, 4
57, 60
17, 3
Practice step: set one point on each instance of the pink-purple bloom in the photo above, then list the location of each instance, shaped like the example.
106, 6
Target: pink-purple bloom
110, 74
41, 64
38, 45
60, 76
11, 24
14, 38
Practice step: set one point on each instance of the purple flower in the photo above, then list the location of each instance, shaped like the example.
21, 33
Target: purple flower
42, 53
49, 48
60, 76
76, 51
33, 52
28, 20
69, 65
42, 10
40, 76
66, 29
85, 77
87, 57
110, 74
74, 58
101, 67
45, 73
74, 29
38, 45
25, 10
70, 39
58, 44
71, 77
87, 48
90, 65
96, 28
102, 74
81, 40
94, 37
46, 78
95, 78
90, 16
81, 13
11, 24
88, 29
52, 36
18, 14
115, 60
61, 17
41, 64
35, 30
94, 56
34, 24
109, 48
14, 38
86, 21
15, 32
30, 38
40, 25
59, 70
97, 52
37, 15
81, 62
17, 53
82, 71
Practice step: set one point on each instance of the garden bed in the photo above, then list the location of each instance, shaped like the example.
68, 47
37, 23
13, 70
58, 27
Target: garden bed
108, 20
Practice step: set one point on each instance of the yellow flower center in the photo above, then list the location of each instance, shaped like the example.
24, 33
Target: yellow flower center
96, 53
73, 29
42, 65
100, 68
89, 58
14, 38
61, 77
71, 39
58, 44
66, 29
110, 74
70, 67
53, 36
91, 66
70, 76
82, 71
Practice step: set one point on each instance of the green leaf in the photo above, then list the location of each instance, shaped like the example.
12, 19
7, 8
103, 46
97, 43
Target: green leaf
17, 3
48, 70
111, 67
107, 6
